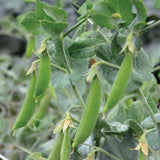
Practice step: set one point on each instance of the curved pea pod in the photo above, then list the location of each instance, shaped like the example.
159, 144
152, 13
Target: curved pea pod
65, 149
55, 153
30, 47
90, 113
28, 107
120, 83
42, 110
44, 74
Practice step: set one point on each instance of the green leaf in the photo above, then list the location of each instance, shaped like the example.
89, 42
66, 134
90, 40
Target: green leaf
118, 114
151, 103
141, 11
31, 23
142, 71
110, 13
79, 66
147, 123
139, 26
61, 80
136, 112
57, 14
104, 51
153, 140
120, 148
53, 28
82, 10
83, 49
89, 4
104, 20
40, 12
35, 156
118, 127
136, 129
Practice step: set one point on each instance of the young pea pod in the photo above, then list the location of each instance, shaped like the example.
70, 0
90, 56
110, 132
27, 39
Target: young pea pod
120, 83
55, 153
44, 74
30, 47
42, 110
28, 107
90, 114
65, 149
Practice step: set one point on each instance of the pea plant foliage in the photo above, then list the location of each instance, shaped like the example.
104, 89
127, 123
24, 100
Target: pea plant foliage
92, 88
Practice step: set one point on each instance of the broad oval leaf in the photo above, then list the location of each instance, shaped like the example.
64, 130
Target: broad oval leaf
153, 140
83, 48
105, 13
32, 25
53, 28
57, 14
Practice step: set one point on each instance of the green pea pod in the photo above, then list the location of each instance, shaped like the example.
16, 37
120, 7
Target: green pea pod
44, 74
120, 83
55, 153
30, 47
28, 107
90, 114
42, 110
65, 149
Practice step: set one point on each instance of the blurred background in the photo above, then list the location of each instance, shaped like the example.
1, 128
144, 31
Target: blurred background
13, 67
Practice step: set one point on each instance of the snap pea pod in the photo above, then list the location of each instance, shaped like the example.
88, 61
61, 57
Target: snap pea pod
90, 113
42, 110
65, 149
30, 47
28, 107
120, 83
44, 74
55, 153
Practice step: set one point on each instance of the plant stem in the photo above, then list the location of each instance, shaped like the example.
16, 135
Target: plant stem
103, 151
75, 89
156, 69
107, 63
107, 40
65, 56
149, 27
60, 68
74, 27
146, 106
128, 97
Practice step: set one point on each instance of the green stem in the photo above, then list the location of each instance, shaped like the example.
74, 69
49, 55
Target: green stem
107, 40
156, 69
76, 91
128, 97
149, 27
107, 63
103, 151
60, 68
146, 106
65, 56
74, 27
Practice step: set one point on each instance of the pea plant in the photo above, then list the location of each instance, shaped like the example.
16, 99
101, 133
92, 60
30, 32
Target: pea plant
96, 77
